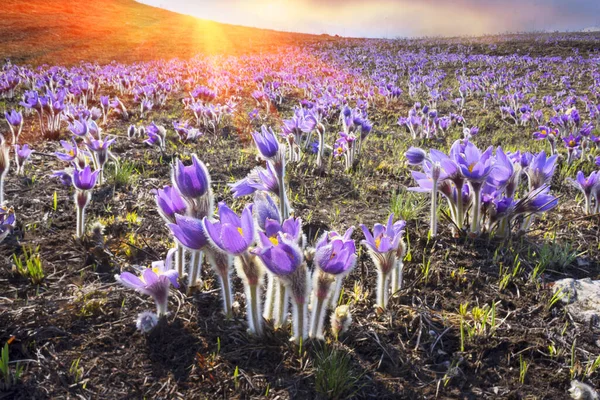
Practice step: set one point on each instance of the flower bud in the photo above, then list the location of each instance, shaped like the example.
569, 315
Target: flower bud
341, 319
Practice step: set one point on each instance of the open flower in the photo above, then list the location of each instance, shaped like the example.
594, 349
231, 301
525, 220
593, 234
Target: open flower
231, 233
153, 282
386, 250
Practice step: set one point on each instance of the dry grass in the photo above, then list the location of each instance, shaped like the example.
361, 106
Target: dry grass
66, 32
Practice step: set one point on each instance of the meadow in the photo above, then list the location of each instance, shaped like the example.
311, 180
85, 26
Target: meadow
217, 223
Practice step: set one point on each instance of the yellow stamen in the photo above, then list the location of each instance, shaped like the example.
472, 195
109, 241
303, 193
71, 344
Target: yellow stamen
472, 166
274, 240
377, 242
240, 231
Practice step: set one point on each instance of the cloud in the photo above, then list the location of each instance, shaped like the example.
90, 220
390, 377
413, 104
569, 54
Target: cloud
393, 18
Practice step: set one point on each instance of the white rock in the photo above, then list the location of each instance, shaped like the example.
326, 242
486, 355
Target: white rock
582, 298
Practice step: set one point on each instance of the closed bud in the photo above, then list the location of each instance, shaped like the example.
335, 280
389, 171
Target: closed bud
341, 319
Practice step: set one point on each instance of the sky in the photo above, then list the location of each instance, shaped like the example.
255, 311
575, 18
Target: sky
396, 18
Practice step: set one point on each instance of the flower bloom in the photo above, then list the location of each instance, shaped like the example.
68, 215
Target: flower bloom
153, 282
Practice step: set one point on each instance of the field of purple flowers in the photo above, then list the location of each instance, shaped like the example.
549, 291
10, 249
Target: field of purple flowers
346, 219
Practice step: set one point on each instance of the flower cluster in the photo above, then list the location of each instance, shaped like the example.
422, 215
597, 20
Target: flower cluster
485, 182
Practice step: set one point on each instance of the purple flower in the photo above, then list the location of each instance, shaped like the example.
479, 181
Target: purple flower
265, 209
189, 231
291, 228
169, 203
266, 142
23, 153
585, 184
85, 179
14, 118
572, 142
64, 177
540, 170
79, 128
231, 233
385, 238
338, 256
192, 181
153, 282
474, 165
100, 147
71, 153
104, 101
415, 156
258, 179
280, 256
7, 221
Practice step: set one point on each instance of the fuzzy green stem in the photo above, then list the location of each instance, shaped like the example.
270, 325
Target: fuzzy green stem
475, 222
317, 317
281, 303
179, 259
253, 310
299, 326
269, 298
227, 296
434, 210
382, 289
459, 207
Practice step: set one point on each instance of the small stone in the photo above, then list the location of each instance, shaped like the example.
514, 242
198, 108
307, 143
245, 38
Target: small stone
582, 298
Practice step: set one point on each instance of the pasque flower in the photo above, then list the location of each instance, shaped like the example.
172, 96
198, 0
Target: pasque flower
333, 259
234, 235
475, 166
266, 143
231, 233
15, 124
192, 181
7, 221
588, 187
386, 249
169, 202
23, 154
284, 258
153, 282
84, 181
189, 232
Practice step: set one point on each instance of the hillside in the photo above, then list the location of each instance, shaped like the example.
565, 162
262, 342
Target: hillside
66, 32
